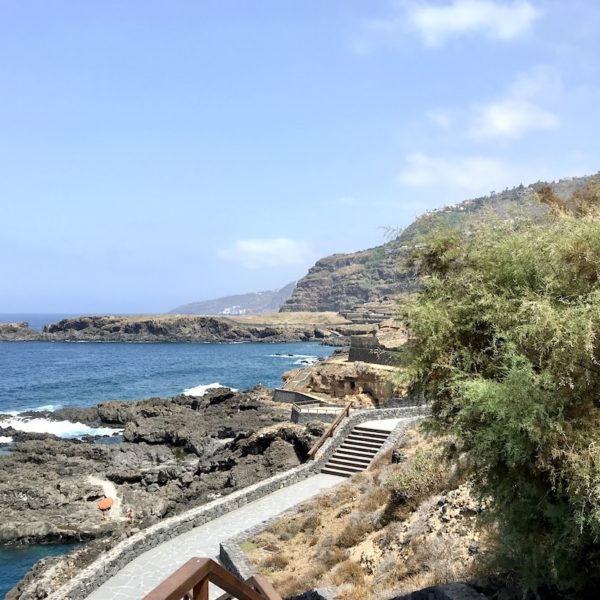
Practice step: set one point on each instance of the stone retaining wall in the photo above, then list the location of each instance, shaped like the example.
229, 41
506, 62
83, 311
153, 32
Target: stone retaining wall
112, 561
367, 348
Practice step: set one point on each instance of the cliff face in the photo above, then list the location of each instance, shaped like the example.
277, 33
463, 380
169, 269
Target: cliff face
343, 281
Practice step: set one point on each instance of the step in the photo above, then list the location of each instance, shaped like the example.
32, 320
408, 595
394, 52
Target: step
372, 431
377, 434
370, 436
359, 448
367, 438
352, 454
365, 444
351, 460
346, 468
335, 472
345, 463
364, 440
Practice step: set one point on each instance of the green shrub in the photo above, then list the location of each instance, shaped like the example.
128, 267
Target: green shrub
504, 343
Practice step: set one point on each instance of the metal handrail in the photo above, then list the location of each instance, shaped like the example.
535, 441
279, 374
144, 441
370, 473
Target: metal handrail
191, 581
316, 408
329, 432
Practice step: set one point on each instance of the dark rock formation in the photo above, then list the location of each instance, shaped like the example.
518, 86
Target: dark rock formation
175, 328
176, 453
18, 332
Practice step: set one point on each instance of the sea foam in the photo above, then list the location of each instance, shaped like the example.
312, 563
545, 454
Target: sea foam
64, 429
200, 390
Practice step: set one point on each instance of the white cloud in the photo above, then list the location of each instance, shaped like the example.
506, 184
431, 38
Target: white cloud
437, 22
468, 174
519, 110
276, 252
498, 20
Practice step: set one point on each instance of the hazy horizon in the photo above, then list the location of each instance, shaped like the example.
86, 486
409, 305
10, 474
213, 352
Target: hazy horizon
159, 154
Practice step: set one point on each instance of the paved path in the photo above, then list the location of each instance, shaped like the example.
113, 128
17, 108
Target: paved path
382, 424
145, 572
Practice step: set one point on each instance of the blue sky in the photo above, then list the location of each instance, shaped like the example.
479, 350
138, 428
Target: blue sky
155, 153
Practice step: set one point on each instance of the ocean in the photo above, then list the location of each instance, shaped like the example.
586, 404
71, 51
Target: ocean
50, 375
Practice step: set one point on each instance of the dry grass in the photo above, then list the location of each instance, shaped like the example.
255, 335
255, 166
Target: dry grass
359, 536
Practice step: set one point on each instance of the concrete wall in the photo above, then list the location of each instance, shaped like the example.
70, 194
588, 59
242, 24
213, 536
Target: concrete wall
366, 348
293, 397
113, 560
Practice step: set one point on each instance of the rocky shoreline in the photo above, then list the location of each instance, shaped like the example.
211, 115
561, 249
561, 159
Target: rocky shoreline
167, 455
179, 328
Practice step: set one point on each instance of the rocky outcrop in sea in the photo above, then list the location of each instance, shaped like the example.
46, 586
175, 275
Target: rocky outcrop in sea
166, 328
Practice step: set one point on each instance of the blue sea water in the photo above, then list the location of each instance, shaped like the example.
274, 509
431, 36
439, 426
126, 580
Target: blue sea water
15, 562
45, 375
37, 375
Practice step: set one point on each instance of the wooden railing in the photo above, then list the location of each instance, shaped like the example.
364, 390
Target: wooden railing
329, 432
191, 582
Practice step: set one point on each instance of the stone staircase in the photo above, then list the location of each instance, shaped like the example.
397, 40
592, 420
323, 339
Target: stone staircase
357, 451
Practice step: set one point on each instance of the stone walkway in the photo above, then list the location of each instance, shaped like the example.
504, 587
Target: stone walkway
144, 573
382, 424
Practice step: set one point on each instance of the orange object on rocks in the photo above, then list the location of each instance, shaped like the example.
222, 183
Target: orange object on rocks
105, 503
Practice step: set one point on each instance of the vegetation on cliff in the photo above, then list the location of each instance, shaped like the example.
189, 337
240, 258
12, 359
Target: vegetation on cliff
504, 344
343, 281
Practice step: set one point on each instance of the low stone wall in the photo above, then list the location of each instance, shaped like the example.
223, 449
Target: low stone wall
112, 561
293, 397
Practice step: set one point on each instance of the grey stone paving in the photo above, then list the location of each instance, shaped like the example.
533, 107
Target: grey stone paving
383, 424
144, 573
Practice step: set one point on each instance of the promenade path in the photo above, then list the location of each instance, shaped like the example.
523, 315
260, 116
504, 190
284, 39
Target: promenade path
145, 572
149, 569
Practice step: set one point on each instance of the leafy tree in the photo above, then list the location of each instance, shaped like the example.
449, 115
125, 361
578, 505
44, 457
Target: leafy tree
504, 343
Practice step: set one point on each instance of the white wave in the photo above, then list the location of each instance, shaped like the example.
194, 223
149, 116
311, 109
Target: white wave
200, 390
4, 439
293, 356
44, 408
64, 429
309, 360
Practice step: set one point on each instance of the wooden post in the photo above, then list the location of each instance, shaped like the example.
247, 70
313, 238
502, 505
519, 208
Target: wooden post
201, 590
